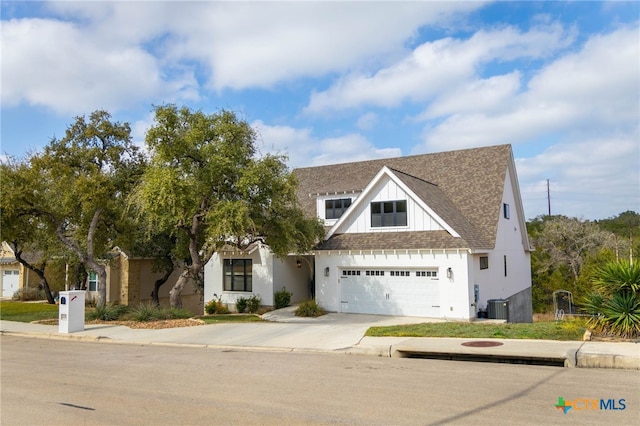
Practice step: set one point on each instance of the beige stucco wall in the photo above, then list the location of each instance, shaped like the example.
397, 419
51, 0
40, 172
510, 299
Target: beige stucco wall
136, 278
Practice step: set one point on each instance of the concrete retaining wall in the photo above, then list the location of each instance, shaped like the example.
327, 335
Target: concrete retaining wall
520, 306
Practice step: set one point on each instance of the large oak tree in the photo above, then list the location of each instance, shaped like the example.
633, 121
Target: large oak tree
206, 185
82, 183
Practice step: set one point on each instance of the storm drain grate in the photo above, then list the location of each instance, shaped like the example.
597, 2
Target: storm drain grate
499, 359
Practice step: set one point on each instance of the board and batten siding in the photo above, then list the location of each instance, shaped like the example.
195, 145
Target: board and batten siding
359, 220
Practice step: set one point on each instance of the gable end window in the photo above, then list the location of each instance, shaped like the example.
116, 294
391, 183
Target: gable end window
333, 209
237, 274
484, 262
389, 213
505, 211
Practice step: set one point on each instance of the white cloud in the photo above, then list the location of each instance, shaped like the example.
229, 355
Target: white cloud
436, 67
115, 54
593, 90
58, 65
261, 44
594, 178
303, 149
494, 94
367, 121
297, 144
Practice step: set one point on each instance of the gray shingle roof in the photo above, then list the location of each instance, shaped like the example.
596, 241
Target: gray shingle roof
463, 187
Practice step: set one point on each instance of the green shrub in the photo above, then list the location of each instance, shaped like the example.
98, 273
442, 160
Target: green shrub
177, 313
146, 311
215, 306
253, 304
111, 312
28, 294
309, 308
282, 298
241, 304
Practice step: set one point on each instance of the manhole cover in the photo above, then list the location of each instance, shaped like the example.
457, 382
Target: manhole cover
482, 344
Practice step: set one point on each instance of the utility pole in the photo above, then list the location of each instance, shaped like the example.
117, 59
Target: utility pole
548, 198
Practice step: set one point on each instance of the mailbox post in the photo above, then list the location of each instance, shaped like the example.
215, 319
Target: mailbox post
71, 311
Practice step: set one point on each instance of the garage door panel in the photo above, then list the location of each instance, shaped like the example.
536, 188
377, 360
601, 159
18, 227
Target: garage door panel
10, 282
362, 295
408, 295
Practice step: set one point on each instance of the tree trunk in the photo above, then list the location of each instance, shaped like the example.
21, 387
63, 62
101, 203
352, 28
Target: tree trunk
47, 290
158, 284
101, 272
39, 272
174, 294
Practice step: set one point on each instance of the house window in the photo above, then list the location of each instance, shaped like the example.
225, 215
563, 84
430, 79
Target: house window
400, 273
237, 274
505, 210
350, 273
430, 274
333, 209
505, 265
93, 281
484, 262
389, 213
374, 273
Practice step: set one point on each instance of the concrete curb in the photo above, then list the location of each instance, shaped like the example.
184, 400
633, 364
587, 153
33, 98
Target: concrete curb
621, 355
596, 355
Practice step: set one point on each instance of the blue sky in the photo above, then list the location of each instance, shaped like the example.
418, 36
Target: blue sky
327, 82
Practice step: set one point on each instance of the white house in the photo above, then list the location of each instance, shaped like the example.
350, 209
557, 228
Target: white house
437, 235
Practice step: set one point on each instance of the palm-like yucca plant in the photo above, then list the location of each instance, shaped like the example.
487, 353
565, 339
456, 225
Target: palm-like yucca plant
622, 314
617, 300
618, 276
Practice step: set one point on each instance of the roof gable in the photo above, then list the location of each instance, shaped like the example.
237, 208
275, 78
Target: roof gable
466, 185
365, 196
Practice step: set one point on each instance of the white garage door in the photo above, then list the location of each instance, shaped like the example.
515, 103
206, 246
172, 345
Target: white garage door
406, 292
10, 282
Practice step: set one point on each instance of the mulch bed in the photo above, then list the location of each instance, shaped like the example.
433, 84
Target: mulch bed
173, 323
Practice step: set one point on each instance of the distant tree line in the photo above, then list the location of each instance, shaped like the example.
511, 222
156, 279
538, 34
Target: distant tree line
569, 252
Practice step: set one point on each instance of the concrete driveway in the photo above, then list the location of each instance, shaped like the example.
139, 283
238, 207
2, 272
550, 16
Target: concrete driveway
283, 330
332, 331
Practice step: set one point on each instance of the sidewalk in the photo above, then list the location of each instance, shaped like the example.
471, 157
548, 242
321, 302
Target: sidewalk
344, 334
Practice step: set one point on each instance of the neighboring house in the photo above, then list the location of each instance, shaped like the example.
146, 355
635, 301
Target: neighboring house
13, 275
437, 235
130, 281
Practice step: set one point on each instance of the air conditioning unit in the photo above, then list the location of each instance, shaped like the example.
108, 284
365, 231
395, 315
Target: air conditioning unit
498, 309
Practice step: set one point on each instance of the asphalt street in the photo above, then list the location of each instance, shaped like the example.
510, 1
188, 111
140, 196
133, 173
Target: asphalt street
61, 382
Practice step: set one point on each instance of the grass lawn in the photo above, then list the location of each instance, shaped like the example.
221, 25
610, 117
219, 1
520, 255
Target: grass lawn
218, 318
27, 312
548, 330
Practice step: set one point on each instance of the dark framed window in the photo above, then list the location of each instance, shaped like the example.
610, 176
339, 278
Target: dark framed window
237, 274
505, 265
505, 210
92, 281
484, 262
389, 213
333, 209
